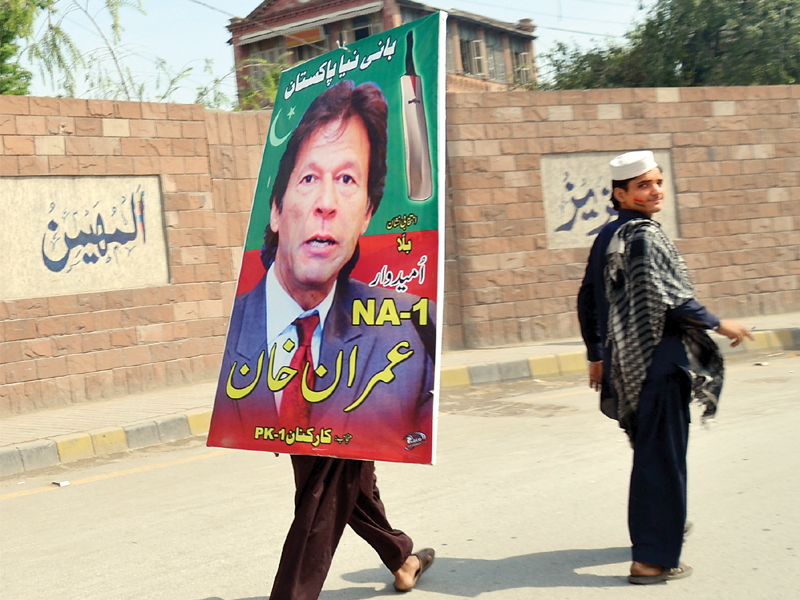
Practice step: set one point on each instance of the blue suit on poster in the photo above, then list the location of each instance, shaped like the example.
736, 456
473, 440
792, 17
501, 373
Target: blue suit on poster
387, 415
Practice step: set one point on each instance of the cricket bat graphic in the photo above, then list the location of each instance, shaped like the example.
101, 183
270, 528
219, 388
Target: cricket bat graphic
418, 158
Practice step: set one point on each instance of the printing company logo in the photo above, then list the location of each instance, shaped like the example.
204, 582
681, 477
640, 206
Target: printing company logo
415, 439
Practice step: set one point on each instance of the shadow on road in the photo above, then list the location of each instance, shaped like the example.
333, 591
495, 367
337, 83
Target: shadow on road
248, 598
470, 577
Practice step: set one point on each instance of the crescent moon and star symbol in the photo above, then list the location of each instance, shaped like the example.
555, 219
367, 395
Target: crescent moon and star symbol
274, 140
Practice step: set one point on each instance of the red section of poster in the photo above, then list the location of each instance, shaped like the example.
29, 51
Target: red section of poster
252, 271
413, 271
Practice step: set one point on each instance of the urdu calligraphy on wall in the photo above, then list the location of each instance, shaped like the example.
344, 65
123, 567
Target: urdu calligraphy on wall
577, 197
68, 235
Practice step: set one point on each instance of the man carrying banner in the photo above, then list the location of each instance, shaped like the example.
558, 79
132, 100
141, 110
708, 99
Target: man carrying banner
637, 296
329, 183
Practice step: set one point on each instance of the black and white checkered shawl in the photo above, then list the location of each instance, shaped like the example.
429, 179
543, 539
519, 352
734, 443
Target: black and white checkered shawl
645, 276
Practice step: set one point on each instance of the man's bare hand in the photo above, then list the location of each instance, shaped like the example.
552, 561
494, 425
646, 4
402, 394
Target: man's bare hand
596, 375
735, 331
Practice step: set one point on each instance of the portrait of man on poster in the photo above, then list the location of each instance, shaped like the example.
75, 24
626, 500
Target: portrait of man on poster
309, 346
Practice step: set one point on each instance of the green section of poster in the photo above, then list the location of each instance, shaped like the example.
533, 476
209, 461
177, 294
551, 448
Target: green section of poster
380, 59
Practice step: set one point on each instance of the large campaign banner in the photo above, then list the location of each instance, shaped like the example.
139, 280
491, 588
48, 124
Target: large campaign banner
333, 343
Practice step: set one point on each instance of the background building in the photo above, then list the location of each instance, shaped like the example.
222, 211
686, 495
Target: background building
482, 53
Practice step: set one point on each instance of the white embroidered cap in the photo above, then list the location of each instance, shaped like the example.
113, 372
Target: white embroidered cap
632, 164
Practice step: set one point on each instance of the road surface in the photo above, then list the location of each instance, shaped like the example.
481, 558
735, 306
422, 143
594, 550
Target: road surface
527, 500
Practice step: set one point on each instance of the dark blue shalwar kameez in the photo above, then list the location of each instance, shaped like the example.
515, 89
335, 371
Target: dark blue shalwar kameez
657, 500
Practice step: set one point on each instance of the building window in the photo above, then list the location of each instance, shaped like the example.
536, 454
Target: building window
409, 14
495, 57
269, 51
305, 45
359, 27
271, 55
307, 52
471, 50
521, 60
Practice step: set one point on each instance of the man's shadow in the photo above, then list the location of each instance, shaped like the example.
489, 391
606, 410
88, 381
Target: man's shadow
470, 577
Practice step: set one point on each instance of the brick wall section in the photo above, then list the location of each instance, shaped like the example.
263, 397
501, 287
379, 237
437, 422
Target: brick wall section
72, 348
453, 310
236, 145
736, 160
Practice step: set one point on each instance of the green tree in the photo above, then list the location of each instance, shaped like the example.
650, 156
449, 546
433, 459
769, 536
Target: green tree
53, 50
690, 43
261, 79
211, 95
59, 59
101, 72
16, 24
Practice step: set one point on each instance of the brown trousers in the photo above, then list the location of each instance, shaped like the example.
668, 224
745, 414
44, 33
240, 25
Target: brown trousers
331, 493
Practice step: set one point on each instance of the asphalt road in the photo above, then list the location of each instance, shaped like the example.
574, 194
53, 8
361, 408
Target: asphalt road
527, 500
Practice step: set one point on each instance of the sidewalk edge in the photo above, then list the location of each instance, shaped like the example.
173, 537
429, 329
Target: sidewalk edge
571, 363
100, 443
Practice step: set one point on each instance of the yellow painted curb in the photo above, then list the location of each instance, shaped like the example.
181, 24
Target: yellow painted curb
773, 340
544, 366
199, 421
454, 377
74, 447
785, 339
574, 362
761, 342
109, 440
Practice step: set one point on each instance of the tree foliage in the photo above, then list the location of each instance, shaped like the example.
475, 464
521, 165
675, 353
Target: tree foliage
102, 72
54, 52
60, 60
16, 24
691, 43
261, 79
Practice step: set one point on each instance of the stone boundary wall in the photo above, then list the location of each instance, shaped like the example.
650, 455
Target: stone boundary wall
736, 160
735, 153
63, 349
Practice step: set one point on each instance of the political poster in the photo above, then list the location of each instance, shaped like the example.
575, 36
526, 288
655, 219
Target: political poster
334, 338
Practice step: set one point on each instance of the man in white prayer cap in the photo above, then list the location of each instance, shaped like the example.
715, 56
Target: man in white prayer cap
649, 353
